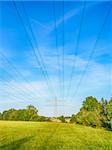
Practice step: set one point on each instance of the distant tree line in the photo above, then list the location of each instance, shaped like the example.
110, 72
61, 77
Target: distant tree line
94, 113
28, 114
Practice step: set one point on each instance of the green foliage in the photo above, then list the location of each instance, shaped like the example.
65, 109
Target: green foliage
109, 112
91, 104
104, 106
32, 109
28, 114
109, 109
0, 116
9, 114
88, 118
94, 113
62, 118
43, 118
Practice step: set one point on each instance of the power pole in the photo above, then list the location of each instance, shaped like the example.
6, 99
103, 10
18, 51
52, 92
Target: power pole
55, 103
55, 107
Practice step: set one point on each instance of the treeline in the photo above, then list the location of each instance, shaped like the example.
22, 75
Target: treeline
28, 114
94, 113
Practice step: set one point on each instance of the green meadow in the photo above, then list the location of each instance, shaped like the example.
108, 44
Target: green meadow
18, 135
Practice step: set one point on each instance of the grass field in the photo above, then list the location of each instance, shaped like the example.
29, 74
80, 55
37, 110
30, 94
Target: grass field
52, 136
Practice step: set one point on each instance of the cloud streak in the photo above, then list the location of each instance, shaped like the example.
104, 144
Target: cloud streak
68, 15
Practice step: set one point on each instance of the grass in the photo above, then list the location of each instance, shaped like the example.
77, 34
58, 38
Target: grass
52, 136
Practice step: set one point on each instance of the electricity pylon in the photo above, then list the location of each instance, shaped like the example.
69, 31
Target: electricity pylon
55, 104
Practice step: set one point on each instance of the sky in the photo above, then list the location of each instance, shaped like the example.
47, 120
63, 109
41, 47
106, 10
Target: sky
54, 54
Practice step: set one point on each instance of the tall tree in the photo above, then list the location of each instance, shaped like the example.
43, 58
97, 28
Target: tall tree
90, 113
104, 106
109, 111
32, 108
91, 104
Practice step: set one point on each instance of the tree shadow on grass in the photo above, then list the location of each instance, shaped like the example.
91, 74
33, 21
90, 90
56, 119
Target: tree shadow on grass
108, 129
57, 145
48, 143
15, 144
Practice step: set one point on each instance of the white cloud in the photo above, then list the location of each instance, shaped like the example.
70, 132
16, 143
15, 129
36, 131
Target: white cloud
95, 82
68, 15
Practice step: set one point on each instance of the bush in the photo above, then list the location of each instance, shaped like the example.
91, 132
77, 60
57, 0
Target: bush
62, 118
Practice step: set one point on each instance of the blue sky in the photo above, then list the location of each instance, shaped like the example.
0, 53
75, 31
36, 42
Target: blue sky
22, 81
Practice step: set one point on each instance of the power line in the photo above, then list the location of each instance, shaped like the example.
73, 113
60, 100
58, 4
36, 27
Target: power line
92, 51
39, 56
33, 49
56, 40
12, 87
63, 51
20, 96
16, 70
18, 87
76, 47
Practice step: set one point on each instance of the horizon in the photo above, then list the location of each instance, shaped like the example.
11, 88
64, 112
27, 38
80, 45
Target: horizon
36, 65
55, 115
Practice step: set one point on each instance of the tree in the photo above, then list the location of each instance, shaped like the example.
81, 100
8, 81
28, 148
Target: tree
32, 108
109, 112
104, 106
9, 114
21, 115
73, 119
62, 118
88, 118
90, 113
31, 113
0, 116
91, 104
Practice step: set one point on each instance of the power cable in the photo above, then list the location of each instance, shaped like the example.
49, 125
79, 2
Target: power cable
76, 48
33, 49
92, 51
56, 40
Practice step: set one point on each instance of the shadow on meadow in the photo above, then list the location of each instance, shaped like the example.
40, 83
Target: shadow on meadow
50, 142
15, 144
52, 145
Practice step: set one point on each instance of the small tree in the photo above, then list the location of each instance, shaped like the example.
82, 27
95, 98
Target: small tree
62, 118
